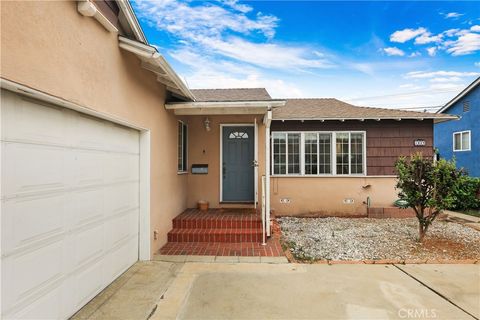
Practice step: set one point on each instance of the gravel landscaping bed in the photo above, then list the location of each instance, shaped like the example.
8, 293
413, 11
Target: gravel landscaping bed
376, 239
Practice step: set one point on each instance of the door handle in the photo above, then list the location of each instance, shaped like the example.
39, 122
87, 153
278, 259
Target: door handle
224, 170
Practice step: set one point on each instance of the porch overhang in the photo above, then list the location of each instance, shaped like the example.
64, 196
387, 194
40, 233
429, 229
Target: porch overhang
223, 107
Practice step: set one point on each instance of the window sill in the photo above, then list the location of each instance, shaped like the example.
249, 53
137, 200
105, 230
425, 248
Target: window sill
462, 150
182, 172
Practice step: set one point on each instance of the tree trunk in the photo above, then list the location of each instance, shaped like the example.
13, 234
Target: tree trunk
421, 232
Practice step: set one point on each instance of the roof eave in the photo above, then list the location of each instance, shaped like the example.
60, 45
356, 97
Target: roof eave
156, 63
223, 108
132, 20
446, 118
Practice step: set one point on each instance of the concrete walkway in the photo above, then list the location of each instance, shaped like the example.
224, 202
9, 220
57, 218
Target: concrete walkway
463, 216
468, 220
205, 290
463, 291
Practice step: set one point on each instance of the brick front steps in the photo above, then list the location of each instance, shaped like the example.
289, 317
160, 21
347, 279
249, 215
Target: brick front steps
219, 232
215, 235
246, 249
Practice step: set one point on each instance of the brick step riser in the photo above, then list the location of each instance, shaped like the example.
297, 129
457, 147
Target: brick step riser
216, 238
213, 224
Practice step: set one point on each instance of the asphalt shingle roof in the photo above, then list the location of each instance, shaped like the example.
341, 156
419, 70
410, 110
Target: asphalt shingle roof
321, 108
240, 94
329, 108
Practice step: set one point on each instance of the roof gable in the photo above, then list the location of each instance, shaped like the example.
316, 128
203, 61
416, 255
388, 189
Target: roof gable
459, 96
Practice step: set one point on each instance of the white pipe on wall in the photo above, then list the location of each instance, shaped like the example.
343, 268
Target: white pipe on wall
267, 170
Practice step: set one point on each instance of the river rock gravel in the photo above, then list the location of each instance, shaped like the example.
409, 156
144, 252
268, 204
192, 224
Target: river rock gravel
375, 239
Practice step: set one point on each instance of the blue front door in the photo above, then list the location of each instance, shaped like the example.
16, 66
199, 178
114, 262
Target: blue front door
238, 144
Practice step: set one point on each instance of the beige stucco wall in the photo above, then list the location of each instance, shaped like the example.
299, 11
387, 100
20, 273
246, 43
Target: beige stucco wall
204, 148
308, 195
49, 46
325, 195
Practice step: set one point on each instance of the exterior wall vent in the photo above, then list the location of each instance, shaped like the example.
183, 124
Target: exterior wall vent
466, 106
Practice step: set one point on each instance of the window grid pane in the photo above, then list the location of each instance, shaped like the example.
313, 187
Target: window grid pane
180, 148
457, 144
311, 144
293, 153
279, 153
342, 148
324, 153
184, 147
465, 140
356, 154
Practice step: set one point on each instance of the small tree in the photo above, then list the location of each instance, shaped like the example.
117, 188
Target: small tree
427, 187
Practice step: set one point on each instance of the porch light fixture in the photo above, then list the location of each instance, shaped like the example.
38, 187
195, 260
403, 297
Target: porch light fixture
206, 123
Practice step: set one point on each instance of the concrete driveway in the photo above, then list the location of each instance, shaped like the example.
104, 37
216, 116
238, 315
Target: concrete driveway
292, 291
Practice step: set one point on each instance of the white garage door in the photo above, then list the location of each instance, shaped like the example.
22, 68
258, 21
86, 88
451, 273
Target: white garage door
69, 196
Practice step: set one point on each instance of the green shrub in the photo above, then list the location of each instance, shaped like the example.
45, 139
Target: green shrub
465, 194
426, 187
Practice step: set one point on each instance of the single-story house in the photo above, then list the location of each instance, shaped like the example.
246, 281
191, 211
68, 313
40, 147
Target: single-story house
459, 139
102, 145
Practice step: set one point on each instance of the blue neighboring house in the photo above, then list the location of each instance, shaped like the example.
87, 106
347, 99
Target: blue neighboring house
461, 138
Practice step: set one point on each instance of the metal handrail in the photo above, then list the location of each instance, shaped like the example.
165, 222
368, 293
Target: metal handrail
264, 213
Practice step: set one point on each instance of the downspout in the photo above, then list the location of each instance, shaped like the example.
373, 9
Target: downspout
267, 121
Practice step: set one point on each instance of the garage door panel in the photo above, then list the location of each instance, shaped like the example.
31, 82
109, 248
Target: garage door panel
29, 168
121, 258
124, 226
88, 282
24, 121
31, 271
87, 245
121, 167
86, 206
46, 306
122, 139
87, 132
121, 197
27, 220
87, 167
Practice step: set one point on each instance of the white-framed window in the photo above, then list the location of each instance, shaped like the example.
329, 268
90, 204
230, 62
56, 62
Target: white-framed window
314, 153
462, 141
182, 134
